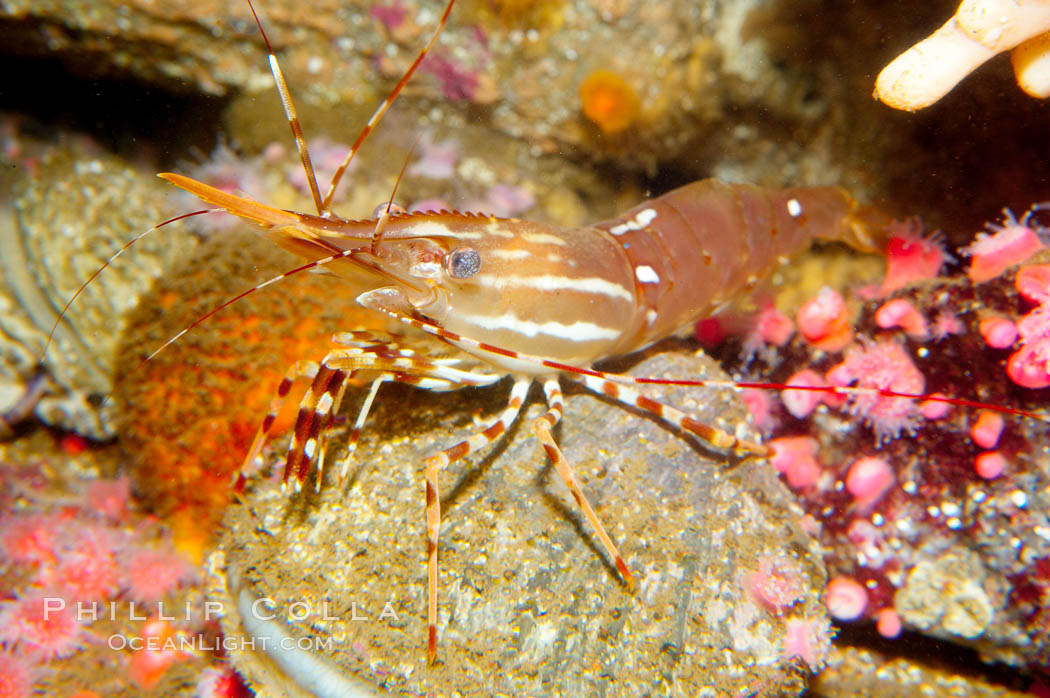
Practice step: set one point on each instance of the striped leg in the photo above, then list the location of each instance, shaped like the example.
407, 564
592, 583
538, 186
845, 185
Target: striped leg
325, 410
542, 428
355, 432
357, 343
313, 412
322, 400
716, 437
362, 415
432, 467
300, 369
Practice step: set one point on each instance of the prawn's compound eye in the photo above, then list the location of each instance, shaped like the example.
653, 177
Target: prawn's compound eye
462, 262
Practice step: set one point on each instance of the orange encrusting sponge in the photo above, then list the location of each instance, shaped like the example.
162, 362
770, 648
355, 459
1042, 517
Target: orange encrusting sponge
189, 415
609, 101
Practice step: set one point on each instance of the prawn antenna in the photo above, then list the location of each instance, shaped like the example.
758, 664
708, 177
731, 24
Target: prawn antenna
108, 262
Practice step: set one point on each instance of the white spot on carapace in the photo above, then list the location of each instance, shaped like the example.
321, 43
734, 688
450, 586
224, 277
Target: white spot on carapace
640, 220
646, 274
430, 229
576, 332
794, 208
550, 282
646, 216
542, 239
510, 255
496, 227
650, 316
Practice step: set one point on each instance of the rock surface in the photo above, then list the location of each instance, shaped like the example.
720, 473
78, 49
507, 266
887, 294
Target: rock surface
528, 602
866, 673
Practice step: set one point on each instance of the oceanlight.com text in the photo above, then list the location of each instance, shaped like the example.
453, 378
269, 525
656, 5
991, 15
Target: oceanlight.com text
199, 643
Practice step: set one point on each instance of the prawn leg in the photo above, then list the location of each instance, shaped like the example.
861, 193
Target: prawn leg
541, 427
432, 468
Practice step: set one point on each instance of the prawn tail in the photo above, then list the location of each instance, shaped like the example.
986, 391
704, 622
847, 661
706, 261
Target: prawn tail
867, 228
832, 214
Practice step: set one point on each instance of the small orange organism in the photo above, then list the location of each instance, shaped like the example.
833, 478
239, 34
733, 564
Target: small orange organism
609, 101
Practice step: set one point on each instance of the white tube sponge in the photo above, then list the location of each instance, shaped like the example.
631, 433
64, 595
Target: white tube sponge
979, 30
1031, 62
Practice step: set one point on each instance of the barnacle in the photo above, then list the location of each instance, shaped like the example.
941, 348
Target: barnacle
609, 101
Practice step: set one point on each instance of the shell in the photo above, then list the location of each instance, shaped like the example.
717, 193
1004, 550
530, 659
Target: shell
67, 216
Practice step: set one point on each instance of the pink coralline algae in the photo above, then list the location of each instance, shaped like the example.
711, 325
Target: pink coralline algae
326, 156
503, 200
437, 159
506, 201
458, 82
390, 16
